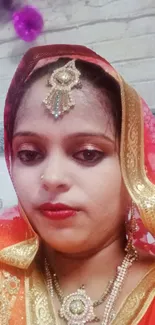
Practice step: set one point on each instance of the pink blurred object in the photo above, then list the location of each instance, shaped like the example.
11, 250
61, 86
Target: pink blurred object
28, 23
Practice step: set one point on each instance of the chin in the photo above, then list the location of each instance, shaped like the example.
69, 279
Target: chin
66, 244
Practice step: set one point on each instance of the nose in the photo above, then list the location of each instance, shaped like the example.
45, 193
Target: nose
55, 177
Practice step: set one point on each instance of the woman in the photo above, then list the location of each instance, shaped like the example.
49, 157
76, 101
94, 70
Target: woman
74, 147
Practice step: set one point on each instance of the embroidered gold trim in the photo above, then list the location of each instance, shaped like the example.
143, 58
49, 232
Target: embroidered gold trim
9, 288
39, 309
20, 255
144, 307
140, 188
28, 316
137, 303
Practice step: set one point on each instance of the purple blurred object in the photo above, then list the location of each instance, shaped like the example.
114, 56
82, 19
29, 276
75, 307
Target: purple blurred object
28, 23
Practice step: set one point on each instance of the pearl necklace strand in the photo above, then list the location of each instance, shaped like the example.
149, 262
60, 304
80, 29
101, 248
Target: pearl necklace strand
117, 286
108, 315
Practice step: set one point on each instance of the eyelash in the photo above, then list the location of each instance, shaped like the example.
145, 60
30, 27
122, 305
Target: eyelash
29, 156
97, 156
88, 156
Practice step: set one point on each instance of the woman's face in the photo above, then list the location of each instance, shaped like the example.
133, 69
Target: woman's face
78, 158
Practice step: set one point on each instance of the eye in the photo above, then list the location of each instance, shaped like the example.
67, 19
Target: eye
29, 156
89, 156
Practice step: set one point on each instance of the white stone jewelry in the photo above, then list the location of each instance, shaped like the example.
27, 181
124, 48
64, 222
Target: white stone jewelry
121, 274
77, 308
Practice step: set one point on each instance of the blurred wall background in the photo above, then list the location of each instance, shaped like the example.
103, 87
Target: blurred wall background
123, 31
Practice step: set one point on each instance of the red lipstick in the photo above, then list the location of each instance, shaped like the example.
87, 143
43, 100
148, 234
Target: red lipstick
57, 211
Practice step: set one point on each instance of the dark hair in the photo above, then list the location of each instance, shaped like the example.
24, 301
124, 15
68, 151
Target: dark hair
90, 72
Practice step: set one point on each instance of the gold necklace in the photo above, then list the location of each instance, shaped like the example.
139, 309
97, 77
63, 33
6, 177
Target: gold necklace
130, 257
77, 308
78, 300
96, 303
78, 303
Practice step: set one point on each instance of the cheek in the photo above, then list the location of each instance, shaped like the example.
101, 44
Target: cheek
104, 182
24, 181
106, 195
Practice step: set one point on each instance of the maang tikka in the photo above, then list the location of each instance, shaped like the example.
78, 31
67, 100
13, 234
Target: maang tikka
59, 100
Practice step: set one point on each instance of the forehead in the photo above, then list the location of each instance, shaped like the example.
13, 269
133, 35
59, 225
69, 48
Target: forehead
90, 113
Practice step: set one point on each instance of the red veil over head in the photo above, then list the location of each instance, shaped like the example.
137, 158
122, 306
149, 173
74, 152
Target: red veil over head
137, 153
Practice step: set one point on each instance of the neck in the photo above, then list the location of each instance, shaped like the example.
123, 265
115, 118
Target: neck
74, 271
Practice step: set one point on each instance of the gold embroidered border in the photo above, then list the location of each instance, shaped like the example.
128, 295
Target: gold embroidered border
140, 188
9, 288
137, 303
39, 309
27, 301
20, 255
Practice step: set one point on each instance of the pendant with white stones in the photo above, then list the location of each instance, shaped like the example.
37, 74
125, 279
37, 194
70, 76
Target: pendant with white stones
77, 308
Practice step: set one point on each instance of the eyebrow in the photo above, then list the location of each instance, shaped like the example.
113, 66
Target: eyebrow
26, 134
73, 135
92, 134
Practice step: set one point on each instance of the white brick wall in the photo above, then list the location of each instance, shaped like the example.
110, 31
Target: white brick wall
123, 31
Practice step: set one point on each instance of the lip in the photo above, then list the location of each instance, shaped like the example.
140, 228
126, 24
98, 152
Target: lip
57, 211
